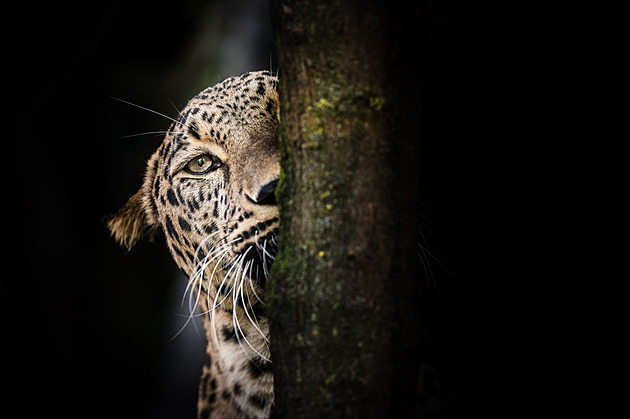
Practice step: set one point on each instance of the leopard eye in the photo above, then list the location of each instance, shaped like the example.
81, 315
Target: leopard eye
202, 164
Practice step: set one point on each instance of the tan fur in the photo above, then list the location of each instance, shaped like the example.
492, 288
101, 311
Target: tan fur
129, 223
220, 227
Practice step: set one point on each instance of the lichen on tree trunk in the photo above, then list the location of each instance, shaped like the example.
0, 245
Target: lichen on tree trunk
343, 300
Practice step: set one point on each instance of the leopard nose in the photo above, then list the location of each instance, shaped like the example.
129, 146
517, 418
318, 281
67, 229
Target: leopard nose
266, 195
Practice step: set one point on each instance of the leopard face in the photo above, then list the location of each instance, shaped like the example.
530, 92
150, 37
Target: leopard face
210, 188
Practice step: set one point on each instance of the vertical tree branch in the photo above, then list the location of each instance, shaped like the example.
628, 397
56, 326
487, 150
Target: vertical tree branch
343, 301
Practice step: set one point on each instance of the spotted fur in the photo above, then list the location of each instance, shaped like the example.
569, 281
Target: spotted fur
220, 226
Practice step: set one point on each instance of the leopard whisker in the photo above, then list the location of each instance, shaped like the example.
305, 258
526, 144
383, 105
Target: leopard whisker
175, 107
150, 110
235, 270
197, 264
220, 254
238, 284
263, 248
264, 258
200, 266
263, 254
425, 258
235, 261
426, 252
235, 321
214, 250
198, 280
215, 304
251, 285
191, 307
152, 133
198, 275
254, 321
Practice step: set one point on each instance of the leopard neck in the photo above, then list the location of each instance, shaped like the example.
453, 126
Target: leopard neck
236, 380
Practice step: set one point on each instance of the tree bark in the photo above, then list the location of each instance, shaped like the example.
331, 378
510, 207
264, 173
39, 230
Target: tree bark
344, 297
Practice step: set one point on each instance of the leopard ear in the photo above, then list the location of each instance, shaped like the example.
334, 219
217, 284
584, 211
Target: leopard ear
138, 217
130, 222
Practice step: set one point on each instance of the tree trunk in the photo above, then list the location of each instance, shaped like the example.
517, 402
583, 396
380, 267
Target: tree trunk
344, 297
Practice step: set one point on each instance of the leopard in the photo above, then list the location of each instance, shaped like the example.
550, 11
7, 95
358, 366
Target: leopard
209, 189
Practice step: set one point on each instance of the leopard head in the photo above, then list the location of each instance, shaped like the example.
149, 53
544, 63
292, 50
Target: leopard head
210, 188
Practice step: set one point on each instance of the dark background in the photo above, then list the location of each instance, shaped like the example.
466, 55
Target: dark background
88, 326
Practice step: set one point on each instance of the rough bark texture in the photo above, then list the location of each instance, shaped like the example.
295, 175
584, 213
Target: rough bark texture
343, 301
